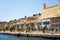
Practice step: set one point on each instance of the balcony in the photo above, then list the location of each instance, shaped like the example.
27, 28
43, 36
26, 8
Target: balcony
55, 22
45, 19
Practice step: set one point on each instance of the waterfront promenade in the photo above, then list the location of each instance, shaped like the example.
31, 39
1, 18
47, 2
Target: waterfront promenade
32, 34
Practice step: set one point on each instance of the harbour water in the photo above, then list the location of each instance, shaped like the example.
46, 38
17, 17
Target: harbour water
10, 37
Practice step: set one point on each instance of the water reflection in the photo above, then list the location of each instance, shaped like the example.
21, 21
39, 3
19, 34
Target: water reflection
10, 37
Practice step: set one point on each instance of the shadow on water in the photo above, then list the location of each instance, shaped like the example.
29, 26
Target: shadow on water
37, 38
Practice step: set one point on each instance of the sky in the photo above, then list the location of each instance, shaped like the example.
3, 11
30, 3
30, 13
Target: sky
16, 9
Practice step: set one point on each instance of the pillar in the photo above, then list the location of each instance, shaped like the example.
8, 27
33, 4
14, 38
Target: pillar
54, 28
36, 26
50, 25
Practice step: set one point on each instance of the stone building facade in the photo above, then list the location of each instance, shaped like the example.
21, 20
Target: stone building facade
50, 17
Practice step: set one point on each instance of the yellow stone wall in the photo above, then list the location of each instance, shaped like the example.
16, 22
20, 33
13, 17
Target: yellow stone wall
52, 11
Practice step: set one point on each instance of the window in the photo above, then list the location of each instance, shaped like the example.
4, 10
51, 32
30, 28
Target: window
52, 29
27, 24
22, 25
56, 30
59, 28
57, 25
46, 23
49, 29
53, 25
58, 21
18, 25
22, 20
38, 23
53, 21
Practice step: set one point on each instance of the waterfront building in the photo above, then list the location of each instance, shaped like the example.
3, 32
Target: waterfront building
50, 17
32, 21
2, 25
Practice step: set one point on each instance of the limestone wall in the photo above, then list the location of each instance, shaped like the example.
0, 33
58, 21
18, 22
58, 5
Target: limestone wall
52, 11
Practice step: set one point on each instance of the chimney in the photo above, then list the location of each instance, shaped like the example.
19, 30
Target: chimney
44, 5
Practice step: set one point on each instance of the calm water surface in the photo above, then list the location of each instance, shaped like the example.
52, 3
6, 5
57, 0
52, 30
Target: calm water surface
10, 37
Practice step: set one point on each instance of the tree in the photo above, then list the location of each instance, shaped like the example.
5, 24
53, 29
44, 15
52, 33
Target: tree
39, 13
6, 28
18, 29
29, 28
12, 28
1, 29
44, 29
25, 16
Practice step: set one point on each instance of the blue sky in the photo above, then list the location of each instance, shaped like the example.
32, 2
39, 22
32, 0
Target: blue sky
15, 9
